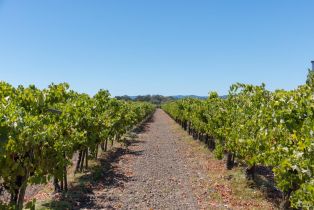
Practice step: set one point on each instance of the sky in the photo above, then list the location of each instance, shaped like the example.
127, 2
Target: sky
166, 47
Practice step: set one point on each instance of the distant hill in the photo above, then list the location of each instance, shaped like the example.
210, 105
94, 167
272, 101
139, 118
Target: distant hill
188, 96
195, 96
159, 99
155, 99
175, 96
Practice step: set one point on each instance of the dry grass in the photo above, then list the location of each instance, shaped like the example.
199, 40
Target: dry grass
226, 188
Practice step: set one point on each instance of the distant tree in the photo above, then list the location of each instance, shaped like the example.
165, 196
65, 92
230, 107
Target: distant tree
143, 98
125, 98
154, 99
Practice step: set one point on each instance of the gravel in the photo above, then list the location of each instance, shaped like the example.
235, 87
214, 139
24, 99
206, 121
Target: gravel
158, 177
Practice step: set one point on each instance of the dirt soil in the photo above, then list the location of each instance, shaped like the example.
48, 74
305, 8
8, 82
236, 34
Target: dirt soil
163, 168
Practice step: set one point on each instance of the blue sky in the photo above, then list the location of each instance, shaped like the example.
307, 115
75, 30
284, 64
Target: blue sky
156, 46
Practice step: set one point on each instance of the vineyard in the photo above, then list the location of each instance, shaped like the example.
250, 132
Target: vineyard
44, 132
41, 131
257, 127
156, 105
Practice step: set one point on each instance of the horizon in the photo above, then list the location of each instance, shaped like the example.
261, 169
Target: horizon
156, 48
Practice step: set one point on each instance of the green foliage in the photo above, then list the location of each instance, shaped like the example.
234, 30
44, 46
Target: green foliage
260, 127
40, 130
30, 205
219, 152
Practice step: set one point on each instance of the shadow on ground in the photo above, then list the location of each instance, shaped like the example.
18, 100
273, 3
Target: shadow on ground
144, 127
102, 176
264, 181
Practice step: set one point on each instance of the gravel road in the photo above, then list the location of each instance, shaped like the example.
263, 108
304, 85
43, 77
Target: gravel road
157, 176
